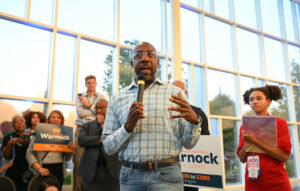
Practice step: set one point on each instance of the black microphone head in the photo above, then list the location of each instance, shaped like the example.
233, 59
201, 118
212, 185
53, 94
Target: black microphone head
141, 77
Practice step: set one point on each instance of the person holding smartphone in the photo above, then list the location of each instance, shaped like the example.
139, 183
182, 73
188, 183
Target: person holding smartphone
14, 147
85, 109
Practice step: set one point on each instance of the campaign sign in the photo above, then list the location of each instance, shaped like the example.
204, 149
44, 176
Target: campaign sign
50, 137
203, 165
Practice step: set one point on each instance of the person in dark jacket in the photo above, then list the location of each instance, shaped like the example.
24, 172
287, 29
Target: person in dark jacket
197, 110
97, 170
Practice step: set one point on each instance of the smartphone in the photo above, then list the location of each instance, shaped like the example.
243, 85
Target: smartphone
24, 136
79, 94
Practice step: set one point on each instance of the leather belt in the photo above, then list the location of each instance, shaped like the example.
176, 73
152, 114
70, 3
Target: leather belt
151, 164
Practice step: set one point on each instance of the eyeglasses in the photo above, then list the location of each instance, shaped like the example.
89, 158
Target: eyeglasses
101, 107
140, 55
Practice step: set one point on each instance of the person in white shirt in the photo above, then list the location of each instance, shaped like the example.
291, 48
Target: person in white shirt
85, 109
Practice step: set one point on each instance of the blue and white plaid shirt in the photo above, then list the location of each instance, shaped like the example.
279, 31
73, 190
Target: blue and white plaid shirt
154, 138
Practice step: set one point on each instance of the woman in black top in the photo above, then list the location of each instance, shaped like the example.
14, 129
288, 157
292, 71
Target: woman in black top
14, 147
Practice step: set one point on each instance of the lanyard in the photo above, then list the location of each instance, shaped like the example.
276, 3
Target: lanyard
253, 167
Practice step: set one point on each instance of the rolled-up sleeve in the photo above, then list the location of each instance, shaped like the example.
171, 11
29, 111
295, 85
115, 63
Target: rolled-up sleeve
191, 135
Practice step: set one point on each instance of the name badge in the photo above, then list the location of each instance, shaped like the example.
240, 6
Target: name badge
253, 167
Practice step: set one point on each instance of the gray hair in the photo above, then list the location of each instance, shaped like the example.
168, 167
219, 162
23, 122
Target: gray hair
16, 116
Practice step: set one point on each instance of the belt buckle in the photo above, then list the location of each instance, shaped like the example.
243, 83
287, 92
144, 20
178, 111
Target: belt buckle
150, 165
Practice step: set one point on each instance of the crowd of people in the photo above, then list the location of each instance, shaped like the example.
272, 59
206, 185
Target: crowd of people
18, 147
123, 144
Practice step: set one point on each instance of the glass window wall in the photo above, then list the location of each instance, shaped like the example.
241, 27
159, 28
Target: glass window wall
95, 59
230, 143
42, 11
24, 60
245, 13
249, 62
13, 7
190, 39
218, 44
43, 63
221, 93
89, 17
276, 67
137, 24
64, 68
270, 17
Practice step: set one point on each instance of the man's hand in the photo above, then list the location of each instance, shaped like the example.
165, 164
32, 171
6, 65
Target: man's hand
183, 108
84, 101
100, 119
136, 112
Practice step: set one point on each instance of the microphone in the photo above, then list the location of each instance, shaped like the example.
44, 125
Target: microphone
141, 85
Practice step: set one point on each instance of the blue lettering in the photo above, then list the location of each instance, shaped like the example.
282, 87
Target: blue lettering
208, 159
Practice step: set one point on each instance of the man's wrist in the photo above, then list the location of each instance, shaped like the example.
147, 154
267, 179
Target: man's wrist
125, 126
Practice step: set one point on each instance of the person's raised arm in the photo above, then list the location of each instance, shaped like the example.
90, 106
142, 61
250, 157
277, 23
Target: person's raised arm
188, 120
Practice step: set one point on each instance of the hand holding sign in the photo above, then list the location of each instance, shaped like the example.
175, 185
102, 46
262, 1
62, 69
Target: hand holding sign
50, 137
72, 145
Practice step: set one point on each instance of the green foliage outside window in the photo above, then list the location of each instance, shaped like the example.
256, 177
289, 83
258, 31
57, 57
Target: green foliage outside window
126, 72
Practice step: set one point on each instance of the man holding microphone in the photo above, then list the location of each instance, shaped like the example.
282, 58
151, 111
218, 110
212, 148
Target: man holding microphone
149, 136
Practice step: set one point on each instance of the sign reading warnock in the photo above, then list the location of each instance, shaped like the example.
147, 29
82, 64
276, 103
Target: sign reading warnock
50, 137
203, 165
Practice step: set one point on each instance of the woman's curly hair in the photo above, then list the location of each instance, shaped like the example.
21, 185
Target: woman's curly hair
270, 91
28, 116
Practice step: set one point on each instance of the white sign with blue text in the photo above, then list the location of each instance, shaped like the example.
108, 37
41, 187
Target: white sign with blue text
203, 165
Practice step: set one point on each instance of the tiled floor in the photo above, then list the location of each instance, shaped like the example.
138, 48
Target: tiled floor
67, 188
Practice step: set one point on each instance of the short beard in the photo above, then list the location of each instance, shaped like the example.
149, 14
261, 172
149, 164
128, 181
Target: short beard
148, 79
